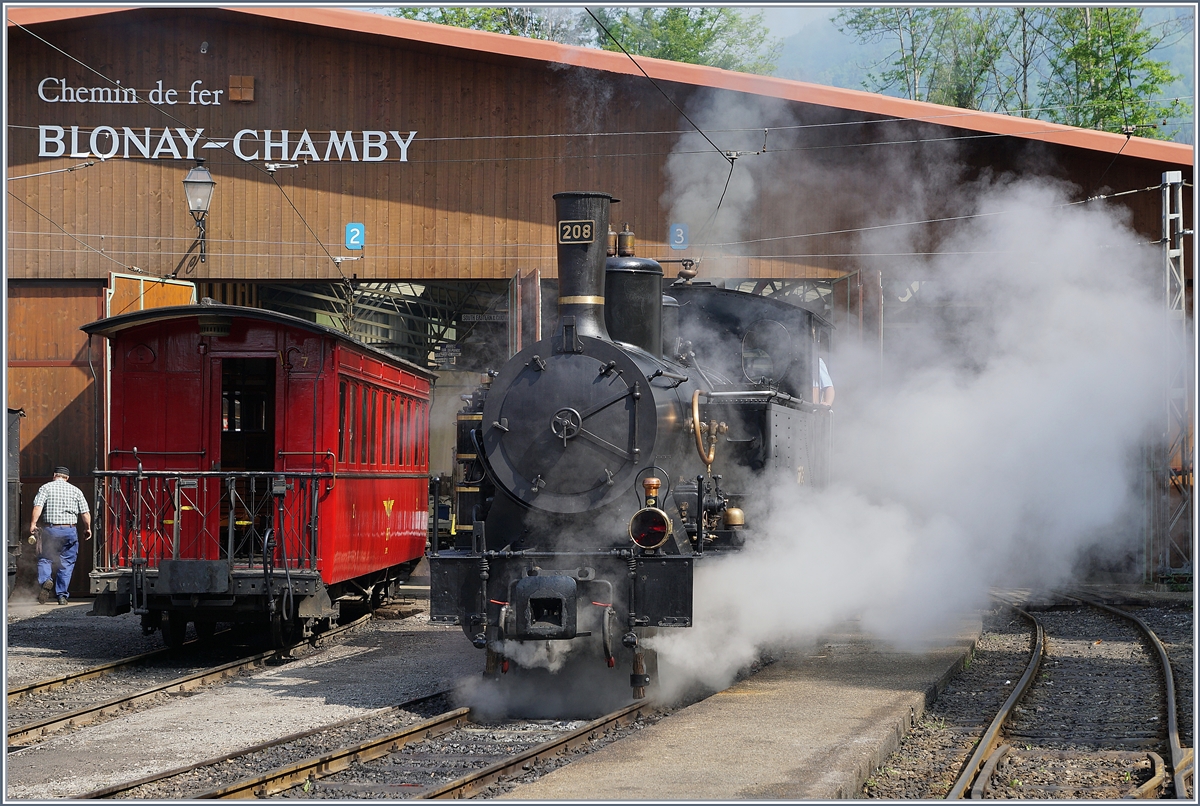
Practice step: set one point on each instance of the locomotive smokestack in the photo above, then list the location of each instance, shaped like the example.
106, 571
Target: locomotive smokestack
582, 235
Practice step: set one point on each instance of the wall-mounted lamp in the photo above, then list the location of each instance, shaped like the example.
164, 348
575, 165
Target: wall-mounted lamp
204, 47
198, 185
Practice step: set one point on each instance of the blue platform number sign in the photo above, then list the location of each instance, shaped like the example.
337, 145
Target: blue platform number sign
356, 236
677, 236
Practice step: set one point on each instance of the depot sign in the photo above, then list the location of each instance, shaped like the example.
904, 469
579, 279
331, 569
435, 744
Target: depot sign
182, 143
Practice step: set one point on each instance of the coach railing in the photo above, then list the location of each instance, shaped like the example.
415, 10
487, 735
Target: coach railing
147, 516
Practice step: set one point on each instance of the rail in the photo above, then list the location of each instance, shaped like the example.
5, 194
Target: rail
1182, 758
991, 736
473, 782
314, 454
977, 771
87, 715
17, 692
126, 786
152, 515
284, 778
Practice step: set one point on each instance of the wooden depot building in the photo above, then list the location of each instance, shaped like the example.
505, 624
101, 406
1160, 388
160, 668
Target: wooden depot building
394, 178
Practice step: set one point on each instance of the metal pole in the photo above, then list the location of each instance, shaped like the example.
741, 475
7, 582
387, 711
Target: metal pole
1174, 487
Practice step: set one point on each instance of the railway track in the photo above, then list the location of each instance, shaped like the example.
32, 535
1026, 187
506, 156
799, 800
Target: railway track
215, 773
16, 693
448, 756
1092, 715
21, 704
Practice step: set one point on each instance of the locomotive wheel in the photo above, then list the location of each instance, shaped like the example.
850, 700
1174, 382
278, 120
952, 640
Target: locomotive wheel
175, 630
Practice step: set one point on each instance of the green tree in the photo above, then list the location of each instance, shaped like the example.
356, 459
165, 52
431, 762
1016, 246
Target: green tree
914, 34
1100, 74
718, 37
555, 24
1089, 67
964, 70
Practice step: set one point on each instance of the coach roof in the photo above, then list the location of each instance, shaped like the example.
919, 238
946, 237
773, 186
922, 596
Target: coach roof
113, 325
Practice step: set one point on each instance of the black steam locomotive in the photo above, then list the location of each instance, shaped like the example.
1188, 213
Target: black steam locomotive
608, 460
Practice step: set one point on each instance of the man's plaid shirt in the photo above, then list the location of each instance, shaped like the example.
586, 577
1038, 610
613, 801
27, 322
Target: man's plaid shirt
61, 502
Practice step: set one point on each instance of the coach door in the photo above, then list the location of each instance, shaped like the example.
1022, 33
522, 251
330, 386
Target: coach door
248, 414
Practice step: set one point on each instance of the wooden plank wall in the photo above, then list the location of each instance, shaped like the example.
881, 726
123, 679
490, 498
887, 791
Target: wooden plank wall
49, 376
495, 140
494, 143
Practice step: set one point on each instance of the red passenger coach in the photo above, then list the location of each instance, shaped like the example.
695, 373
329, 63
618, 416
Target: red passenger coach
261, 468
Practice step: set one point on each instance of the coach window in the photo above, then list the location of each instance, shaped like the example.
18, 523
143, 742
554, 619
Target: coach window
393, 458
424, 429
408, 445
383, 430
372, 455
351, 408
425, 462
362, 425
342, 421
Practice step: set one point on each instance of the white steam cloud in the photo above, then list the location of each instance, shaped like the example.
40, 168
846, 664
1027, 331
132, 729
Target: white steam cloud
994, 445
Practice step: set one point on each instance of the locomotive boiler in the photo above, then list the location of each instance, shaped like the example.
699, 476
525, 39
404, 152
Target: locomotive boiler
604, 463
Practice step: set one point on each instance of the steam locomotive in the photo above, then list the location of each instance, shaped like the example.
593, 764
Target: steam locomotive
604, 463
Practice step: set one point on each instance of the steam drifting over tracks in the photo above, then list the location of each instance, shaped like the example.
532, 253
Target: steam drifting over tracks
112, 696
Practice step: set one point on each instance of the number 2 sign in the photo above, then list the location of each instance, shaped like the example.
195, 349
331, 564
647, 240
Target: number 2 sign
356, 236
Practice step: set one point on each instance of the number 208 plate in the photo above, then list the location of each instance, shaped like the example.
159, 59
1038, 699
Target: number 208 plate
576, 231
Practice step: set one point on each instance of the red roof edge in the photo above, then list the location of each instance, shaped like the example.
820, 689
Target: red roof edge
691, 74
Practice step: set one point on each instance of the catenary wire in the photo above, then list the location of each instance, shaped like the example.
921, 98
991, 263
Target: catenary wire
544, 247
731, 159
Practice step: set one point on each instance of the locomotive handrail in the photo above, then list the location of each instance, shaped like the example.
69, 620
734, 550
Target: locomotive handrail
705, 457
137, 452
770, 394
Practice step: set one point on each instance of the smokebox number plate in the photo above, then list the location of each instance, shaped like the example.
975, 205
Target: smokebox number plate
576, 231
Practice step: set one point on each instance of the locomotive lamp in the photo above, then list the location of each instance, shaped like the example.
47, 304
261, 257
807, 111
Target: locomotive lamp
198, 186
649, 528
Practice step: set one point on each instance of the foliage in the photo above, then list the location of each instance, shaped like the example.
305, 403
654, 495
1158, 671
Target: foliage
719, 37
1100, 75
555, 24
1089, 67
715, 36
914, 34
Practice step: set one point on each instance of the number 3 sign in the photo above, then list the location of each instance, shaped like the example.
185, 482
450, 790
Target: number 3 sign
677, 236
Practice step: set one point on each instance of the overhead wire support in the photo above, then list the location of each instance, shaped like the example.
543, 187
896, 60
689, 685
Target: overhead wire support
670, 100
1172, 471
87, 164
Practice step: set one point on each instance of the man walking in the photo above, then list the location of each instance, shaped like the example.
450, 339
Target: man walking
63, 504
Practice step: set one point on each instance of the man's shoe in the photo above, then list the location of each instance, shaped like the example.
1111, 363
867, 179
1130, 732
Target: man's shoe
62, 599
44, 593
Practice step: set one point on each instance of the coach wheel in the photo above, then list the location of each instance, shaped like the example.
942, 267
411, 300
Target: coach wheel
151, 621
175, 630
